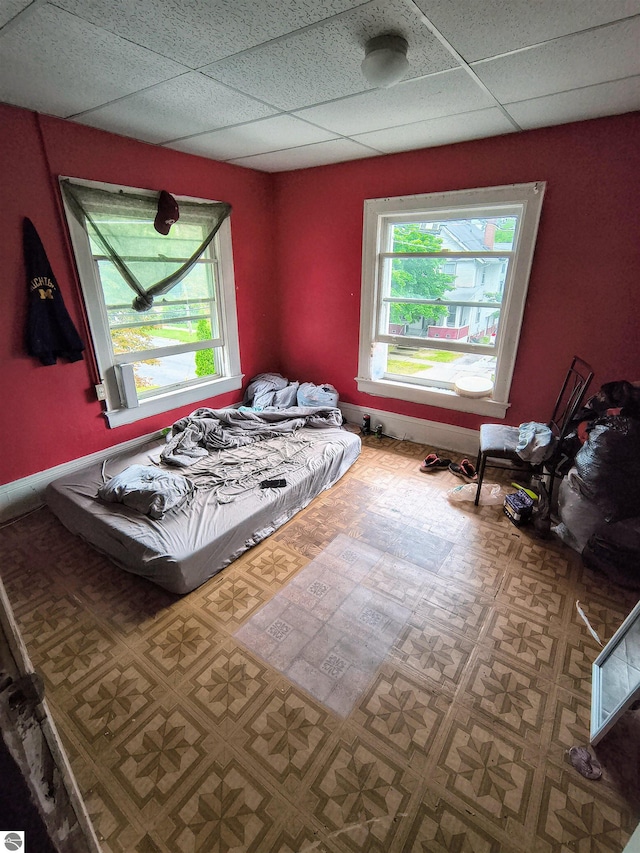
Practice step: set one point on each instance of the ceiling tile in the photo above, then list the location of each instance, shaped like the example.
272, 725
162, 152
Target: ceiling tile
55, 63
113, 66
201, 31
438, 131
608, 53
10, 8
321, 154
620, 96
430, 97
323, 63
180, 107
479, 30
270, 134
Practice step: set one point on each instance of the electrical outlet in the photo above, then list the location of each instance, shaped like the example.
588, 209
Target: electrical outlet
101, 394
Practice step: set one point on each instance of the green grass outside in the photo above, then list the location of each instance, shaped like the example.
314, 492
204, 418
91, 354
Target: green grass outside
441, 356
404, 368
182, 335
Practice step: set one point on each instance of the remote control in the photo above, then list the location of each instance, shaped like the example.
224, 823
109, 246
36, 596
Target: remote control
273, 484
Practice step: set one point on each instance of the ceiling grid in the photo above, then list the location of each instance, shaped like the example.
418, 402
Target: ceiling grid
279, 86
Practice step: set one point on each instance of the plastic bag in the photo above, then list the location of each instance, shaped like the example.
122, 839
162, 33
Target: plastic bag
317, 395
564, 535
491, 494
579, 516
608, 466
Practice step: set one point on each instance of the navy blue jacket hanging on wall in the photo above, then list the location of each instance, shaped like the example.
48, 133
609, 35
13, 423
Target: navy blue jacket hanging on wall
50, 330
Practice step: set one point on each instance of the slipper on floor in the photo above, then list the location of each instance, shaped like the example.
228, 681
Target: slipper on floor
465, 470
584, 762
433, 463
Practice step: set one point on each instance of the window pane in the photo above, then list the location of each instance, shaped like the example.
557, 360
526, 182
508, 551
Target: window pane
472, 280
483, 234
161, 373
135, 238
167, 334
162, 344
198, 284
186, 313
443, 322
438, 367
416, 237
417, 278
447, 278
159, 256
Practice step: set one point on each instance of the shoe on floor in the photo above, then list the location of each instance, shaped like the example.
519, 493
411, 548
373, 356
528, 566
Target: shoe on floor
434, 463
465, 470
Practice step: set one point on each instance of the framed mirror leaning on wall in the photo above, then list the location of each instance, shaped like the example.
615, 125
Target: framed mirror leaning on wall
616, 677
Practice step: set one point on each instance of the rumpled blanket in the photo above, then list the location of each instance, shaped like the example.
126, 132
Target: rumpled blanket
236, 472
270, 390
535, 442
217, 429
148, 490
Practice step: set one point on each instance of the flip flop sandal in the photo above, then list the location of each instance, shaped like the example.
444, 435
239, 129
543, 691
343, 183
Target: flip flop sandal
584, 762
465, 470
433, 463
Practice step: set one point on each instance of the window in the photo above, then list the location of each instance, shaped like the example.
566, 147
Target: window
444, 282
184, 349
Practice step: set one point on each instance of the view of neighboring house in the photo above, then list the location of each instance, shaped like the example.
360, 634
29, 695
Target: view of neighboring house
477, 280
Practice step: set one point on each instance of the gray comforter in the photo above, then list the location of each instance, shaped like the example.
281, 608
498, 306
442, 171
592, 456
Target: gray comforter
216, 429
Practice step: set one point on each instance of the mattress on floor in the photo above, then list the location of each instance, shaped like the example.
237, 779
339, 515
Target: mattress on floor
191, 544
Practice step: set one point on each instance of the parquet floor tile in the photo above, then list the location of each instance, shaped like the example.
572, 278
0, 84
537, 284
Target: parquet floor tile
389, 671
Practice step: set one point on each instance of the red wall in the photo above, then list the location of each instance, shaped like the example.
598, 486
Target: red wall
584, 292
50, 414
298, 265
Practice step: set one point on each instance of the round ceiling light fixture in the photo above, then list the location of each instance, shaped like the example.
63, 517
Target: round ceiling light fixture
385, 62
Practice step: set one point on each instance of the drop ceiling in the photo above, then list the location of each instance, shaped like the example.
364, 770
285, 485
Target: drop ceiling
278, 86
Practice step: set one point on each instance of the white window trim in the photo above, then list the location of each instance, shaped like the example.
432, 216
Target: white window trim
116, 413
528, 195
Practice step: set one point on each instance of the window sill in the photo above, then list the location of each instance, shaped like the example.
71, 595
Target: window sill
432, 397
168, 402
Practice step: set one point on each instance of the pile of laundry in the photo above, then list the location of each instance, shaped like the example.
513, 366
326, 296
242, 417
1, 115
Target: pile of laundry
272, 391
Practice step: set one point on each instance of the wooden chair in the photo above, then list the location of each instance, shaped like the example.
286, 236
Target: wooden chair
498, 442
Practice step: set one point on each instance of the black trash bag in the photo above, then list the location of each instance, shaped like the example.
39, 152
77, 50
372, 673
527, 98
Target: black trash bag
615, 550
542, 511
613, 398
571, 444
608, 466
621, 395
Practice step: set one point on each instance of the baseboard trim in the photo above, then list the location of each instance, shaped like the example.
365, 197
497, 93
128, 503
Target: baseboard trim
26, 494
438, 435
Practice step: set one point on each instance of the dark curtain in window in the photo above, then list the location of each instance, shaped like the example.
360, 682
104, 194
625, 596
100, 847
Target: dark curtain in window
120, 225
